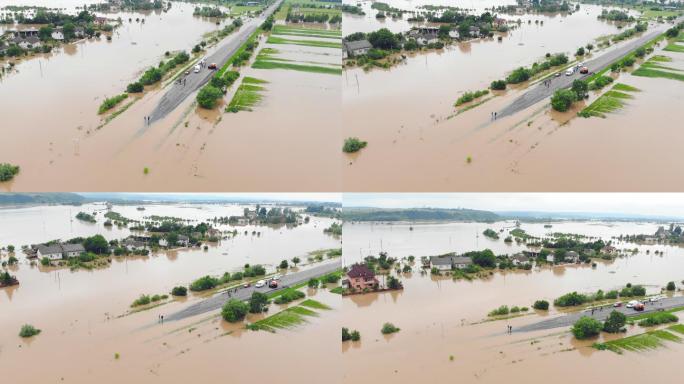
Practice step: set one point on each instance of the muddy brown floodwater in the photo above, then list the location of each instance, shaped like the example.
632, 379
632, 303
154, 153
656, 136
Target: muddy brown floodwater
80, 312
407, 116
283, 145
442, 333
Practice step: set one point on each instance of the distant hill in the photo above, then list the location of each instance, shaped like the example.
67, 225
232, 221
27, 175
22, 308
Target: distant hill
40, 198
418, 214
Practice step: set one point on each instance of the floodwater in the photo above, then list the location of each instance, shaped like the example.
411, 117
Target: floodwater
79, 311
440, 318
415, 126
287, 146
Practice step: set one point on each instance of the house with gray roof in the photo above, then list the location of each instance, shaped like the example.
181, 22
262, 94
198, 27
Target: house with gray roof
59, 251
357, 48
72, 250
449, 262
52, 252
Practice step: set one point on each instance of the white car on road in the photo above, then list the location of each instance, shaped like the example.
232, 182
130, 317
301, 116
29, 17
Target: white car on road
632, 303
197, 68
260, 284
569, 72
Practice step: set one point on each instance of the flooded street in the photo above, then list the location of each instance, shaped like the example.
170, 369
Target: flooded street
191, 150
416, 127
444, 327
84, 313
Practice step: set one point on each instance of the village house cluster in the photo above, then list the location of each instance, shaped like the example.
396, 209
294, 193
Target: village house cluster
37, 38
426, 37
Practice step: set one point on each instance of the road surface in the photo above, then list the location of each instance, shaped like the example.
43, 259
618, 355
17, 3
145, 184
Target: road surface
570, 319
540, 92
194, 81
217, 301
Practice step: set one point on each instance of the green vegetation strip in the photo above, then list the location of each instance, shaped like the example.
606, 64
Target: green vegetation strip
277, 64
308, 43
281, 29
314, 304
610, 101
245, 98
643, 342
647, 315
674, 47
287, 318
650, 72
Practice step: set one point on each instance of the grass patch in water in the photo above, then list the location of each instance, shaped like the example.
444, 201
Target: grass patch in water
338, 290
308, 43
661, 58
638, 343
679, 328
625, 88
287, 318
649, 72
314, 304
253, 80
285, 30
610, 101
674, 47
246, 97
267, 64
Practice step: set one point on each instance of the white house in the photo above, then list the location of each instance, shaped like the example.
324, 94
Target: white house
52, 252
442, 263
134, 245
550, 258
520, 259
72, 250
183, 240
59, 251
571, 257
163, 243
57, 34
357, 48
460, 262
454, 34
427, 38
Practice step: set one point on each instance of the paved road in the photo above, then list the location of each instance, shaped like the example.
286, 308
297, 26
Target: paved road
217, 301
570, 319
194, 81
540, 92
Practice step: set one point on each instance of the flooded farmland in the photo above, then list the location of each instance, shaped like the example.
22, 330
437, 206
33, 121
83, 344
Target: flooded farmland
445, 330
86, 314
192, 149
420, 128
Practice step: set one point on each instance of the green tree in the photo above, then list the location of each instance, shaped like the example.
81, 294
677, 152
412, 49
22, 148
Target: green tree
671, 286
383, 39
45, 33
345, 334
258, 302
207, 96
234, 310
69, 30
542, 305
580, 88
283, 264
562, 99
586, 327
296, 260
96, 244
615, 321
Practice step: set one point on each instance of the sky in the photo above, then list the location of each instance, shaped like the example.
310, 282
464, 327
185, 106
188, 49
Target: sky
648, 204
